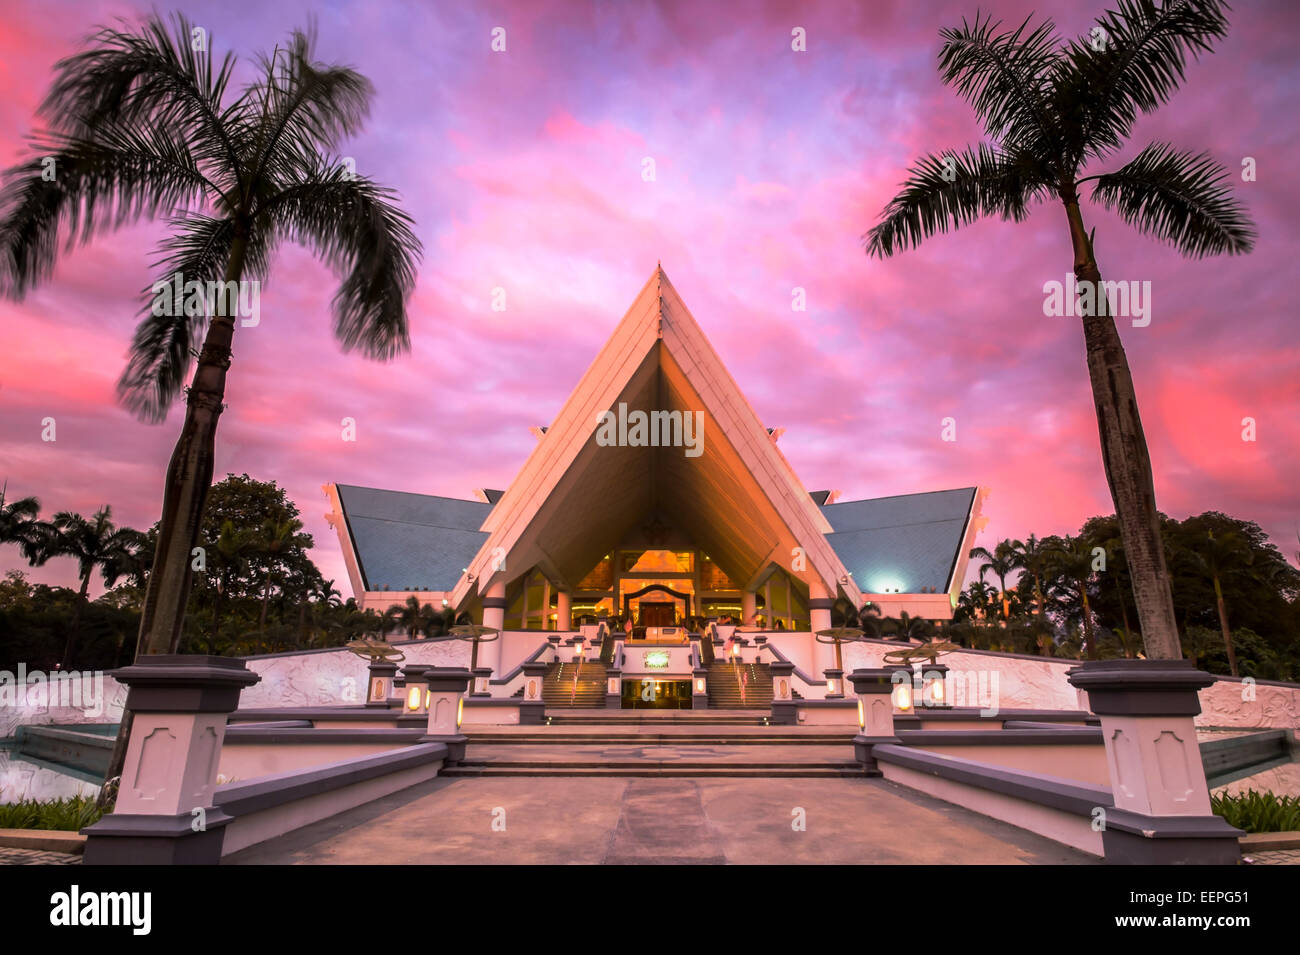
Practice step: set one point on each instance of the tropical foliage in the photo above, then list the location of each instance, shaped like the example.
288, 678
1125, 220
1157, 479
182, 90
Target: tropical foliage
62, 815
258, 590
1235, 596
1254, 811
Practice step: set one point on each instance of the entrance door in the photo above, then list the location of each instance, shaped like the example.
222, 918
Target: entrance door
658, 614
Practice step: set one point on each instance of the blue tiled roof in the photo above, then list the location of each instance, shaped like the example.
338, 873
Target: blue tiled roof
412, 541
907, 542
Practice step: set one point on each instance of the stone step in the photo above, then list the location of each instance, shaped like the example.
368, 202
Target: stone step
641, 739
807, 771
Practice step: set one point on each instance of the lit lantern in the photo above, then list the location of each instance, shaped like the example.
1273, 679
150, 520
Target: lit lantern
903, 691
934, 688
417, 690
699, 688
834, 684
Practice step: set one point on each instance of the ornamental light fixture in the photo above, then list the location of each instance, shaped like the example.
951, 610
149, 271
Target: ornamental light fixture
903, 692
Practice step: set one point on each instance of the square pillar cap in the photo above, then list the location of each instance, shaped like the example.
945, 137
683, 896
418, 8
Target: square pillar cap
454, 679
185, 683
1141, 687
876, 679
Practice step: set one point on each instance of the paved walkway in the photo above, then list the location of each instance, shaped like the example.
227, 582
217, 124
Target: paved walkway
37, 857
651, 821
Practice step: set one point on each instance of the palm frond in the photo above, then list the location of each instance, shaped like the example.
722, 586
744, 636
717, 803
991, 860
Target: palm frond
356, 228
154, 77
952, 189
1002, 76
1181, 198
1136, 63
97, 185
164, 344
308, 107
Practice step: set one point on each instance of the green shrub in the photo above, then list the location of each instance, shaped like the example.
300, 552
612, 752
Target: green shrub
68, 815
1254, 811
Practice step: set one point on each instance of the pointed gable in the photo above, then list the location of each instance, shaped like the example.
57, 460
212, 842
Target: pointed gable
739, 498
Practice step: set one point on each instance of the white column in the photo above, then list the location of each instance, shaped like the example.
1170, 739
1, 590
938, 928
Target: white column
494, 615
563, 610
819, 613
748, 607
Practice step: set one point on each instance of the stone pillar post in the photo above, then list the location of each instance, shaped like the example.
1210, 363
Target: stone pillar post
700, 688
1162, 803
380, 688
482, 681
446, 708
165, 813
613, 688
784, 712
834, 683
874, 689
532, 709
563, 610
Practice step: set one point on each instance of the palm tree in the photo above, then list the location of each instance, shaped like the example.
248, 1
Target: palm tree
142, 124
1002, 561
975, 600
415, 618
1032, 557
1218, 557
19, 524
907, 627
1072, 569
1050, 110
97, 544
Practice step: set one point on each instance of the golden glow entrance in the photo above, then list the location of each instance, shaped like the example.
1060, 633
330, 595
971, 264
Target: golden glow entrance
656, 694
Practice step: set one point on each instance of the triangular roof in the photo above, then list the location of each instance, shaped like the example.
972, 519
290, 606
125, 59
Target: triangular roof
739, 499
409, 542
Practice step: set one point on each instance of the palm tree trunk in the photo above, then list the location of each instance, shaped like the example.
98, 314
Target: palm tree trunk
75, 623
185, 492
1087, 622
1124, 454
1223, 625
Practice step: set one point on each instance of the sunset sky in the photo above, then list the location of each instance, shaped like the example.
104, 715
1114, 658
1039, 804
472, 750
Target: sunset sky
523, 171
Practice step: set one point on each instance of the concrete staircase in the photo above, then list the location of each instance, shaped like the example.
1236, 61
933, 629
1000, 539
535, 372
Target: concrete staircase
739, 686
680, 744
572, 685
